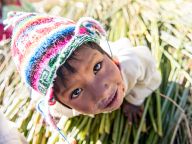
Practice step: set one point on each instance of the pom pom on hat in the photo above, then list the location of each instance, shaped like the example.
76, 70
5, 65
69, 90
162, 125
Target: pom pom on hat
91, 25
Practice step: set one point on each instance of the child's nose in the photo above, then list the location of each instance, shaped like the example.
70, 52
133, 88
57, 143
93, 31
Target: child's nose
102, 82
102, 88
97, 91
106, 86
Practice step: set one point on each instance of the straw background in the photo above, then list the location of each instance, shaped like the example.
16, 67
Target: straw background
165, 27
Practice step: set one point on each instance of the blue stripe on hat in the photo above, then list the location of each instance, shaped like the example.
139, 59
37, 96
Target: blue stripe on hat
44, 46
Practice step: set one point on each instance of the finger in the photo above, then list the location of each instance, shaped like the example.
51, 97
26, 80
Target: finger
125, 110
142, 108
72, 141
129, 117
135, 118
140, 114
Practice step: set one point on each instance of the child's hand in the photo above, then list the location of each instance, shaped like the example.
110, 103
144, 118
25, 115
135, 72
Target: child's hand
73, 141
132, 112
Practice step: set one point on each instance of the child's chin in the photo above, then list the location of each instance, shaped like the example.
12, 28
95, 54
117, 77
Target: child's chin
110, 109
115, 106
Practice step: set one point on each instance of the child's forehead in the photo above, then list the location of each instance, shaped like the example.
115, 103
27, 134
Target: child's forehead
82, 62
83, 55
85, 50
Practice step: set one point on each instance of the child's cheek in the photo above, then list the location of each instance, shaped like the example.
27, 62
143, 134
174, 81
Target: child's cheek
56, 88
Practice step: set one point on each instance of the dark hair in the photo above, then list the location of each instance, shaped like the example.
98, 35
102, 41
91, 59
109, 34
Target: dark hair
61, 72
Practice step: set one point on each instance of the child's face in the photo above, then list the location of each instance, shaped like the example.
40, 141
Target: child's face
96, 87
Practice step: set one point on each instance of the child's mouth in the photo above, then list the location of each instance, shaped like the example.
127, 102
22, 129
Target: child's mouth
110, 101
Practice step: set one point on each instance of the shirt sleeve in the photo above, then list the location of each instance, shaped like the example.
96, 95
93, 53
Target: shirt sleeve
138, 69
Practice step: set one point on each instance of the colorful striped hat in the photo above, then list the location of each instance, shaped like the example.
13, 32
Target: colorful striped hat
41, 44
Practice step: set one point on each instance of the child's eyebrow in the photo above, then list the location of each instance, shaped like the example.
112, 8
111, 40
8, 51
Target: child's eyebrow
68, 82
91, 61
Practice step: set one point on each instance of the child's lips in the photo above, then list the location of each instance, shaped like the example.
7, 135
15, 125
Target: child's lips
110, 100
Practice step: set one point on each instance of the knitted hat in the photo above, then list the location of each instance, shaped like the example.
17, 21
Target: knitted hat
41, 44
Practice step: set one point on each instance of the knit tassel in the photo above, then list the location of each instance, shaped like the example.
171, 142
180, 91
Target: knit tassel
11, 19
43, 108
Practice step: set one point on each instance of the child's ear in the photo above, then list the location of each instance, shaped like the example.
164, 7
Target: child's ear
116, 62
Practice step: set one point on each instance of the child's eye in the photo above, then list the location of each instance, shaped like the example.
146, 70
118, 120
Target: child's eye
97, 67
76, 93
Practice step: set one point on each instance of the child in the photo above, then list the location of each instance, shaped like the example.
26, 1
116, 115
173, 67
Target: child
76, 69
